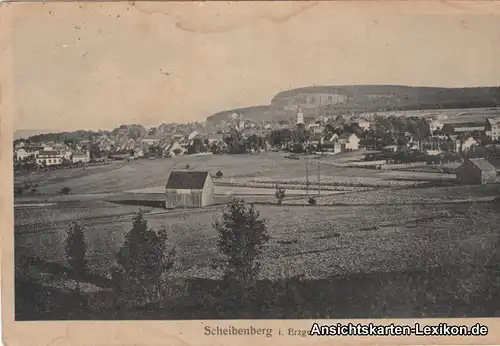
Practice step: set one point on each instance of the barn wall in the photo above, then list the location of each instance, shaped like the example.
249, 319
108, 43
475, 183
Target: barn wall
489, 177
183, 198
207, 197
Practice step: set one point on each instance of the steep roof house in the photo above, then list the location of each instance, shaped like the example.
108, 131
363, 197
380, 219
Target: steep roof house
189, 189
27, 152
80, 156
174, 149
349, 142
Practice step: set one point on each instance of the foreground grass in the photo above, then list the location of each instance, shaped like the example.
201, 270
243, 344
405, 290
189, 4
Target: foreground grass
315, 242
434, 293
443, 264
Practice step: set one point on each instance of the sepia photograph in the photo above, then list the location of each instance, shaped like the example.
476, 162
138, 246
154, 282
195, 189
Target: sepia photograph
252, 161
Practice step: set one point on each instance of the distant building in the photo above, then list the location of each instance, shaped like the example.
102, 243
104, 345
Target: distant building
332, 146
363, 124
468, 127
349, 142
49, 158
492, 128
138, 152
465, 145
151, 140
189, 190
27, 152
391, 148
174, 149
192, 135
476, 171
435, 125
300, 116
80, 156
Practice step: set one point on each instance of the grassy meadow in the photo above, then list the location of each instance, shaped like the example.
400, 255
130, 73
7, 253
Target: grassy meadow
414, 249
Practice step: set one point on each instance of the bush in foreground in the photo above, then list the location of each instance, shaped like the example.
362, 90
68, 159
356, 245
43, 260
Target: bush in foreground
76, 250
242, 237
143, 260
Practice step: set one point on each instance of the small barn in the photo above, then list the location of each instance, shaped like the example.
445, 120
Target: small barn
476, 171
189, 189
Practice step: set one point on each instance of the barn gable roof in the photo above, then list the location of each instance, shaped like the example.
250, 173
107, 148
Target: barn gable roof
187, 180
493, 121
482, 164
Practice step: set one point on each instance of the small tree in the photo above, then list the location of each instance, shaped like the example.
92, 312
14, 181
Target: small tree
242, 236
76, 250
280, 194
65, 190
143, 260
218, 174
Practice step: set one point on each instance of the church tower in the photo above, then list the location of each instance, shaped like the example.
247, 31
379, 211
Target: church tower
300, 116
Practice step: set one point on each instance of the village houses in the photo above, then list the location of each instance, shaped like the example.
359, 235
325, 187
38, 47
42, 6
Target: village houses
80, 156
492, 128
49, 158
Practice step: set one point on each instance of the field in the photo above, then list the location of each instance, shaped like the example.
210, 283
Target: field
316, 242
119, 176
454, 115
296, 230
368, 222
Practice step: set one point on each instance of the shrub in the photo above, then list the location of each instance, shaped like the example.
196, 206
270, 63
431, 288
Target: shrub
65, 190
280, 194
242, 237
76, 250
311, 201
218, 174
143, 261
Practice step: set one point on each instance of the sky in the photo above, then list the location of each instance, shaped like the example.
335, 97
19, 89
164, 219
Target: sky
99, 65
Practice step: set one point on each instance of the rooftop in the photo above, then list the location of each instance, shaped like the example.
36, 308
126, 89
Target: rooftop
482, 164
49, 153
191, 180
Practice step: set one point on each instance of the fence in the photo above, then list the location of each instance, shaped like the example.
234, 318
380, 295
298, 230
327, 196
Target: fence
401, 165
367, 163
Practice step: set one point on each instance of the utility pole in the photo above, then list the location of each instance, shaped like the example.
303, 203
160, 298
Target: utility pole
307, 177
318, 180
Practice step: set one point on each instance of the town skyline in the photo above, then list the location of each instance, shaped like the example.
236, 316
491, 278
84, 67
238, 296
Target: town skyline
26, 132
130, 67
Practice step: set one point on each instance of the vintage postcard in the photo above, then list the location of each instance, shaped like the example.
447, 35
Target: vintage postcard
220, 173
